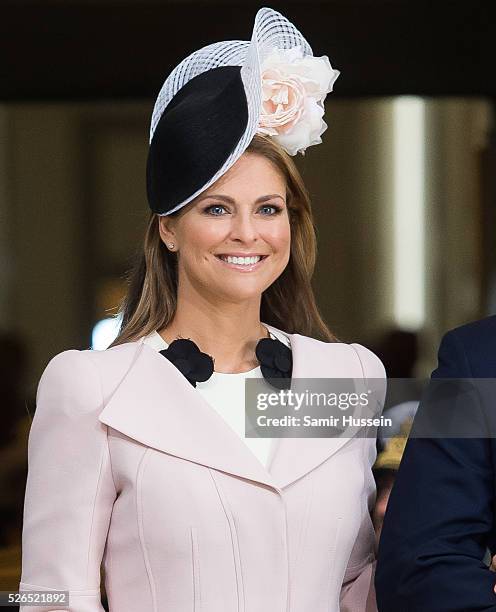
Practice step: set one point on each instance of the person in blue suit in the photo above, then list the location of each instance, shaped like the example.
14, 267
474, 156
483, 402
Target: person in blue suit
440, 521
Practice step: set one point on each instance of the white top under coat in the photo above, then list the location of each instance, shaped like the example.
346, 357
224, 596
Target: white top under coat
225, 392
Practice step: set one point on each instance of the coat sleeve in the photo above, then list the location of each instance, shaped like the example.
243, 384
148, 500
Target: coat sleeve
439, 519
69, 490
357, 592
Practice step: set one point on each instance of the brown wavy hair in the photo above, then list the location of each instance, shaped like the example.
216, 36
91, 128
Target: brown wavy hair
288, 304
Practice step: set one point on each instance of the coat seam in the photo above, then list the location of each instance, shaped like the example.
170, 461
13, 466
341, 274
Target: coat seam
364, 375
234, 543
99, 479
334, 550
196, 569
104, 425
141, 531
77, 592
301, 539
109, 575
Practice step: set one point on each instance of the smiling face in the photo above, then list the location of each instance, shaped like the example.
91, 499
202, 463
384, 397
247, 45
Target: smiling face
233, 240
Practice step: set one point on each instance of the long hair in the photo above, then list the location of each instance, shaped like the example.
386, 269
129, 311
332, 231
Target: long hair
288, 304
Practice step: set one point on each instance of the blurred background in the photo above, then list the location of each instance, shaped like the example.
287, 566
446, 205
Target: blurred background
403, 185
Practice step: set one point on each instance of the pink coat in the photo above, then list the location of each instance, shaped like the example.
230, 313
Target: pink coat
129, 464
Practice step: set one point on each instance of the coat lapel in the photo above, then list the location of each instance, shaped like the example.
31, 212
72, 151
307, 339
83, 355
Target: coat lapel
295, 457
155, 405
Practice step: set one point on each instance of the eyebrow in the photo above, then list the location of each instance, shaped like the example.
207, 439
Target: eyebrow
232, 201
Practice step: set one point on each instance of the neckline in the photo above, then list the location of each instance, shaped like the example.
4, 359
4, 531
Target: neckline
222, 374
158, 343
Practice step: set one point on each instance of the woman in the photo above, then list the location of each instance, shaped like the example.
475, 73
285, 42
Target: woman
137, 453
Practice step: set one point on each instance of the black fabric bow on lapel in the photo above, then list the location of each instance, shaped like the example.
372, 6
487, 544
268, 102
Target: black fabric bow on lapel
275, 358
276, 362
189, 360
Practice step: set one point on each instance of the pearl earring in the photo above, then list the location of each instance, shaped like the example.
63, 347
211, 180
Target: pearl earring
171, 245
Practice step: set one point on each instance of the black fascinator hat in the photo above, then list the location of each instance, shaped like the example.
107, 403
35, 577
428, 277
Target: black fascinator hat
215, 101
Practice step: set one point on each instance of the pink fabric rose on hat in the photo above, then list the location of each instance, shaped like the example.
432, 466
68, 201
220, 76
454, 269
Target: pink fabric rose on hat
294, 87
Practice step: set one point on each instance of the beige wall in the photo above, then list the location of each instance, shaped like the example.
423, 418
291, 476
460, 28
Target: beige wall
348, 176
73, 206
6, 296
458, 131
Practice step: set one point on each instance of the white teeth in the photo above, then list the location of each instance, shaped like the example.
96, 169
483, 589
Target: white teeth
244, 261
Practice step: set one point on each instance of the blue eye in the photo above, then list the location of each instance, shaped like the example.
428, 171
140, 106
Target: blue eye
277, 209
208, 210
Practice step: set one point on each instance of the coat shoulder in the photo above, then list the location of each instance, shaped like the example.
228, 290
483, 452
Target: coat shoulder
479, 334
83, 372
370, 364
69, 385
469, 350
121, 354
73, 359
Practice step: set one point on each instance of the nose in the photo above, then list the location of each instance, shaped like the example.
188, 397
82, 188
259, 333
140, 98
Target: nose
244, 227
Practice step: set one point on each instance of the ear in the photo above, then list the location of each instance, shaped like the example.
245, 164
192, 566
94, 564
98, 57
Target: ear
166, 228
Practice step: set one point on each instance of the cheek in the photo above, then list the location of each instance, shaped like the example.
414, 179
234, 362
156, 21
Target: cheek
202, 239
278, 237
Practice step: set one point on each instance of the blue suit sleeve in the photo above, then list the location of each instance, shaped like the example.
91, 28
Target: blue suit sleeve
439, 519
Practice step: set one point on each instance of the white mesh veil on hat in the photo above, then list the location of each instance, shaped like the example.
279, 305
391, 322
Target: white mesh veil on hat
273, 36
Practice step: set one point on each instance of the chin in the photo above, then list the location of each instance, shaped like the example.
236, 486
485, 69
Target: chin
239, 292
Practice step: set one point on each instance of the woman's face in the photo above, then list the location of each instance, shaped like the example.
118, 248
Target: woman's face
242, 215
